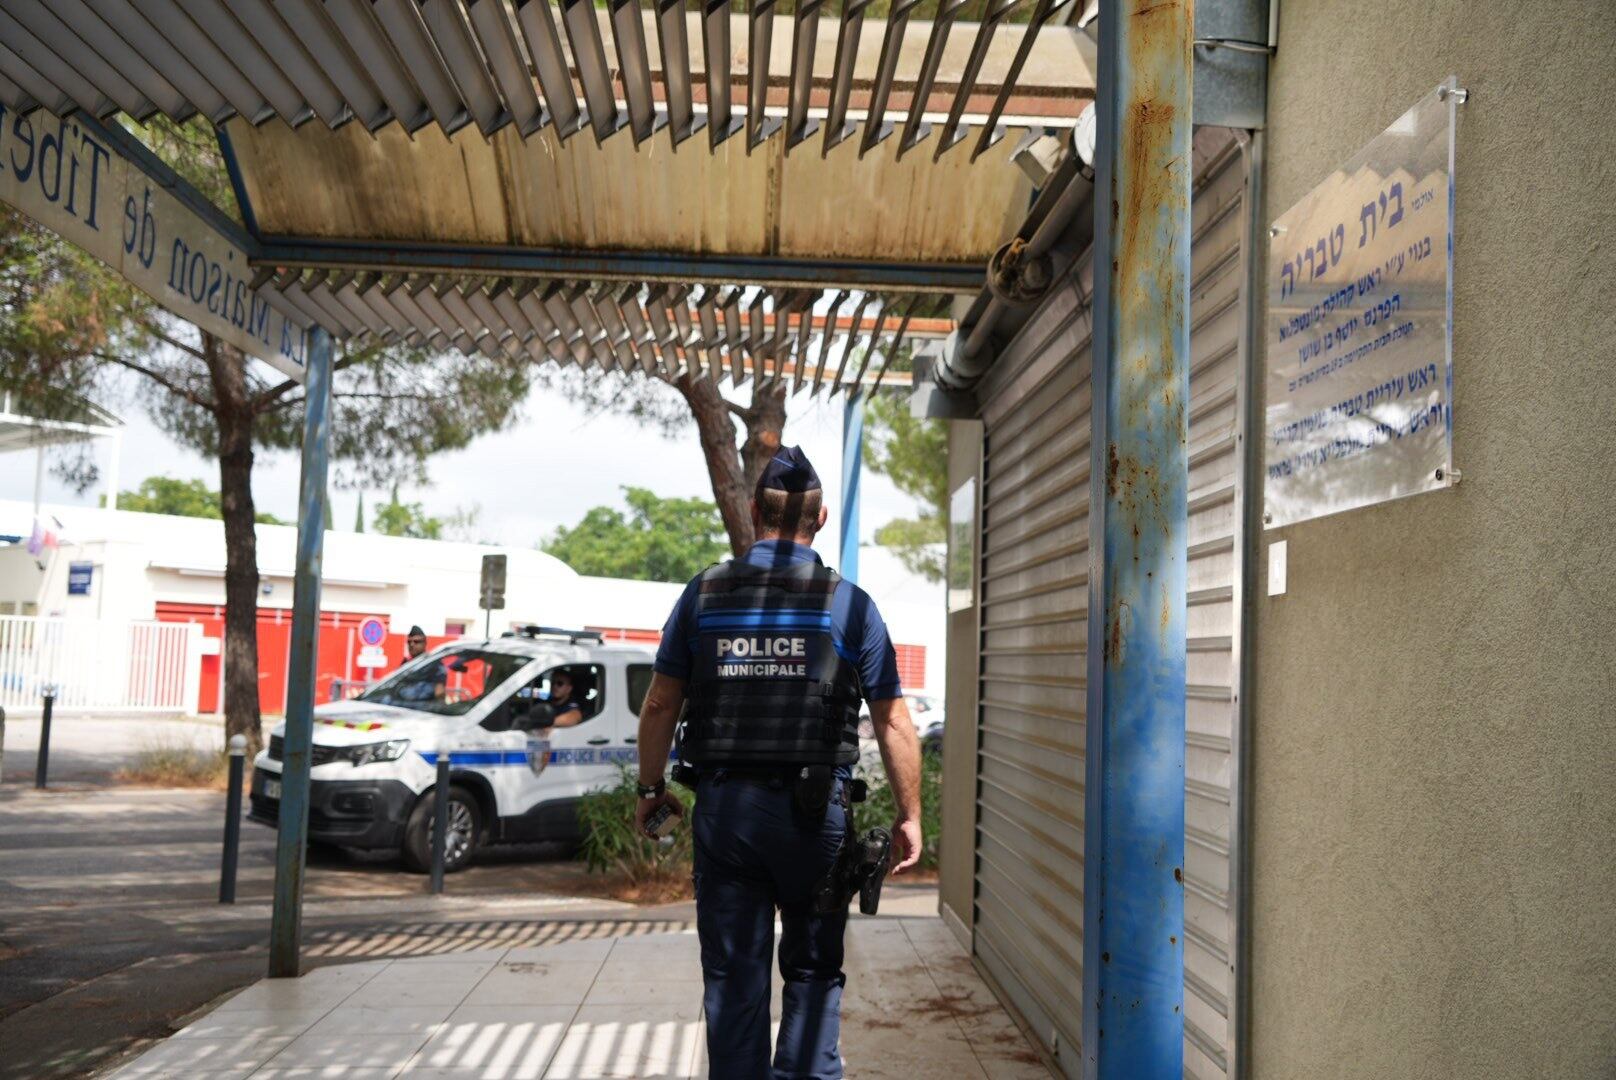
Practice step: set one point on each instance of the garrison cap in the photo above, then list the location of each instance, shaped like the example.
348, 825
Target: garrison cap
789, 470
416, 631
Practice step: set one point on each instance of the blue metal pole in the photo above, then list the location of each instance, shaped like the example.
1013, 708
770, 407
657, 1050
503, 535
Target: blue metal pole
287, 918
852, 467
1133, 839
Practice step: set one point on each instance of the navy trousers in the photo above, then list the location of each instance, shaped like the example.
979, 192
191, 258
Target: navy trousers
753, 855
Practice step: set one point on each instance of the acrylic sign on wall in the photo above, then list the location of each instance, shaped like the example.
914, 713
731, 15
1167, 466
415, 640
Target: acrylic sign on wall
1360, 326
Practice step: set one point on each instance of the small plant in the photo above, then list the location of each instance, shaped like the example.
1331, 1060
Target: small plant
613, 845
169, 762
880, 808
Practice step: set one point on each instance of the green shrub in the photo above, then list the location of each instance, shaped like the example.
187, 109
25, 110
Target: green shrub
612, 844
880, 808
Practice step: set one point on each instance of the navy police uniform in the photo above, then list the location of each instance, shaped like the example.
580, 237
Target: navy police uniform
777, 652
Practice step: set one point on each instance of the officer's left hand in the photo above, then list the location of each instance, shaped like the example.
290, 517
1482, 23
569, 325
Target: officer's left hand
644, 808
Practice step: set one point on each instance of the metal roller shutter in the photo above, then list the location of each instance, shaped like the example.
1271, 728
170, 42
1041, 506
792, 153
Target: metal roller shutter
1034, 404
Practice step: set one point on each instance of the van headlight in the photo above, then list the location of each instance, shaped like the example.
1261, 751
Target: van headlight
368, 753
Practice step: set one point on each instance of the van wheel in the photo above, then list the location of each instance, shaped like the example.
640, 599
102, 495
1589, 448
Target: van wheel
465, 828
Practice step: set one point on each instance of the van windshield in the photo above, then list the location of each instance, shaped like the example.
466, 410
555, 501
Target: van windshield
448, 683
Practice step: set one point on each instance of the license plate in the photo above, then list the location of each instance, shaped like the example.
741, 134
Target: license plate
272, 789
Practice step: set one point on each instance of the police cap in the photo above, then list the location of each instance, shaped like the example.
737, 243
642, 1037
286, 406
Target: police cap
789, 470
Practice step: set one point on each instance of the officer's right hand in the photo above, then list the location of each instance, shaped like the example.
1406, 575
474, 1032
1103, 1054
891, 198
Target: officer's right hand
645, 807
905, 844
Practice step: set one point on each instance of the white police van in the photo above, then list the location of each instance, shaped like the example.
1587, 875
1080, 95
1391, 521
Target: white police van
513, 776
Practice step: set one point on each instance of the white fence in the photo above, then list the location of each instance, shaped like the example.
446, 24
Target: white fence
98, 666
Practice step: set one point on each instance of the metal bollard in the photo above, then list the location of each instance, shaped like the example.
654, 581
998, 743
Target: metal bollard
440, 822
232, 820
42, 766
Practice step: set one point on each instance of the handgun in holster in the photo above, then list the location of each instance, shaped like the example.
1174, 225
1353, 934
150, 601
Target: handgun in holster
860, 866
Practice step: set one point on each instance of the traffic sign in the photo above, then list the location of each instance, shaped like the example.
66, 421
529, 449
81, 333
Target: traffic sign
371, 657
493, 583
372, 632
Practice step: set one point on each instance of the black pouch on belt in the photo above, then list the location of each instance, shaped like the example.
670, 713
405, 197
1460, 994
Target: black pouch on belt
810, 790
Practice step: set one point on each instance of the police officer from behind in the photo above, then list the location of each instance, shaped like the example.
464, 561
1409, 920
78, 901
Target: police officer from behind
772, 653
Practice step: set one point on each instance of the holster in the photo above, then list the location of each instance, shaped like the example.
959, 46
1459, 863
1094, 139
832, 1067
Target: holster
860, 866
810, 790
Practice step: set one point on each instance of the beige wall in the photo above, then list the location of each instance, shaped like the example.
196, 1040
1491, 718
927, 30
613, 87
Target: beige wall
956, 886
1434, 729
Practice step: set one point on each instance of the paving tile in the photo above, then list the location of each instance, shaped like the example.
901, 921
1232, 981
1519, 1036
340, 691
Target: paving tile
286, 994
626, 1041
581, 949
422, 991
499, 1042
344, 1050
382, 1020
513, 986
328, 1072
606, 991
253, 1023
433, 971
185, 1057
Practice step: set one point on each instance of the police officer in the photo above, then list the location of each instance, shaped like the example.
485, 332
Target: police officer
773, 652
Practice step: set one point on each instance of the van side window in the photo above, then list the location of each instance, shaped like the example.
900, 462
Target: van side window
567, 687
639, 683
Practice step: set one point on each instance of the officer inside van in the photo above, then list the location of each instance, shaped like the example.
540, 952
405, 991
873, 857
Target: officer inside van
566, 699
772, 653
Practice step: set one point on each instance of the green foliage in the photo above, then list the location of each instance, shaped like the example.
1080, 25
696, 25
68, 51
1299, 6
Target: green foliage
657, 540
181, 498
613, 844
913, 454
406, 519
881, 809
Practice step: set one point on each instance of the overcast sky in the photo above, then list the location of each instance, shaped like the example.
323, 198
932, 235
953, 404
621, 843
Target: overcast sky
546, 470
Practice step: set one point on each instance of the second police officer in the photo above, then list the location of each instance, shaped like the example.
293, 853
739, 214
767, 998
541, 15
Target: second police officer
770, 655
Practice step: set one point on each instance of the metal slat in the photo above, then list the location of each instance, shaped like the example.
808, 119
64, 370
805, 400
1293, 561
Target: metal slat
168, 20
876, 125
504, 55
14, 96
837, 126
953, 131
481, 306
69, 47
292, 292
915, 128
729, 311
873, 341
402, 299
100, 36
509, 310
759, 126
402, 23
594, 333
828, 337
707, 316
799, 353
309, 25
378, 301
804, 37
566, 323
991, 131
454, 303
374, 54
248, 57
280, 44
673, 38
342, 290
754, 334
604, 303
527, 297
143, 40
852, 337
50, 66
466, 66
628, 305
41, 90
421, 291
589, 53
544, 46
338, 319
634, 70
721, 119
897, 339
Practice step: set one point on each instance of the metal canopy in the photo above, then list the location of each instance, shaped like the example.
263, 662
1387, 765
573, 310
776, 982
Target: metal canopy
455, 63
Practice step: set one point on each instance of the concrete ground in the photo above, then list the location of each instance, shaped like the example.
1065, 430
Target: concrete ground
87, 750
603, 1007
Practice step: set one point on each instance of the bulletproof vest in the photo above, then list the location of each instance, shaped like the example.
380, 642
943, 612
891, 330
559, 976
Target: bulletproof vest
768, 686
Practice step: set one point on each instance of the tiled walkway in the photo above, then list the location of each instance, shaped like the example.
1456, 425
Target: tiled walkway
623, 1007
